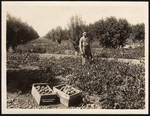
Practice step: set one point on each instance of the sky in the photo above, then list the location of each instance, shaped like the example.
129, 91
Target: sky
44, 16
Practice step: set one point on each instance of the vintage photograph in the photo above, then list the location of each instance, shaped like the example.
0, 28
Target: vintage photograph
74, 57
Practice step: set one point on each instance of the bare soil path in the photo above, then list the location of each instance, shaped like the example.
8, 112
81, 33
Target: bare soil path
57, 56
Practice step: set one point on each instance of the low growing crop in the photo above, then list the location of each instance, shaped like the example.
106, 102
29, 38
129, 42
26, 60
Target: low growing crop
117, 85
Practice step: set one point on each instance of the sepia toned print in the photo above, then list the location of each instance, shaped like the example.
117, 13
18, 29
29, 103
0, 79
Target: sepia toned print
75, 57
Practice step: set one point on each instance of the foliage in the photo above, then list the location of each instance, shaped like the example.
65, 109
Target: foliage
138, 32
112, 33
118, 85
97, 29
31, 49
55, 34
58, 34
127, 53
46, 46
14, 60
18, 32
76, 28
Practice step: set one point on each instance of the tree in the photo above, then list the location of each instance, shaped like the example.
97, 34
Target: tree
111, 32
57, 34
97, 29
124, 30
76, 28
65, 34
138, 32
114, 32
18, 32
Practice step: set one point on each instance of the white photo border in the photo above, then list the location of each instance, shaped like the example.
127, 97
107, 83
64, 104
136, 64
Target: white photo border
66, 111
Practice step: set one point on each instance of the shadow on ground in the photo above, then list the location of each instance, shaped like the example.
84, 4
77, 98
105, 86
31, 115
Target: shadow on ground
22, 80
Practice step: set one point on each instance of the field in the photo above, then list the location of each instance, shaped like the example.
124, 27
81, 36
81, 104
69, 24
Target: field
106, 84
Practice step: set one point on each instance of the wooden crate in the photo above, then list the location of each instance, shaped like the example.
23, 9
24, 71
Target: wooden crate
43, 99
68, 100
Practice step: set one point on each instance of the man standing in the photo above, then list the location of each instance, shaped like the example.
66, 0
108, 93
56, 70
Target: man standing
85, 48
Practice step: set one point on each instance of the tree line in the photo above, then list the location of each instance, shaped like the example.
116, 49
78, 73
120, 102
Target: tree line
18, 32
110, 32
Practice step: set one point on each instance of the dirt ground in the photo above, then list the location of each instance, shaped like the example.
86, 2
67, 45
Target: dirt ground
26, 101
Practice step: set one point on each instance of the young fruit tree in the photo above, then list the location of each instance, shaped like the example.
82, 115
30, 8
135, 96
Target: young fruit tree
58, 34
50, 35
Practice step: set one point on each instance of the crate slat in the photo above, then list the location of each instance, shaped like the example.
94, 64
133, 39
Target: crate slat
68, 100
45, 99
